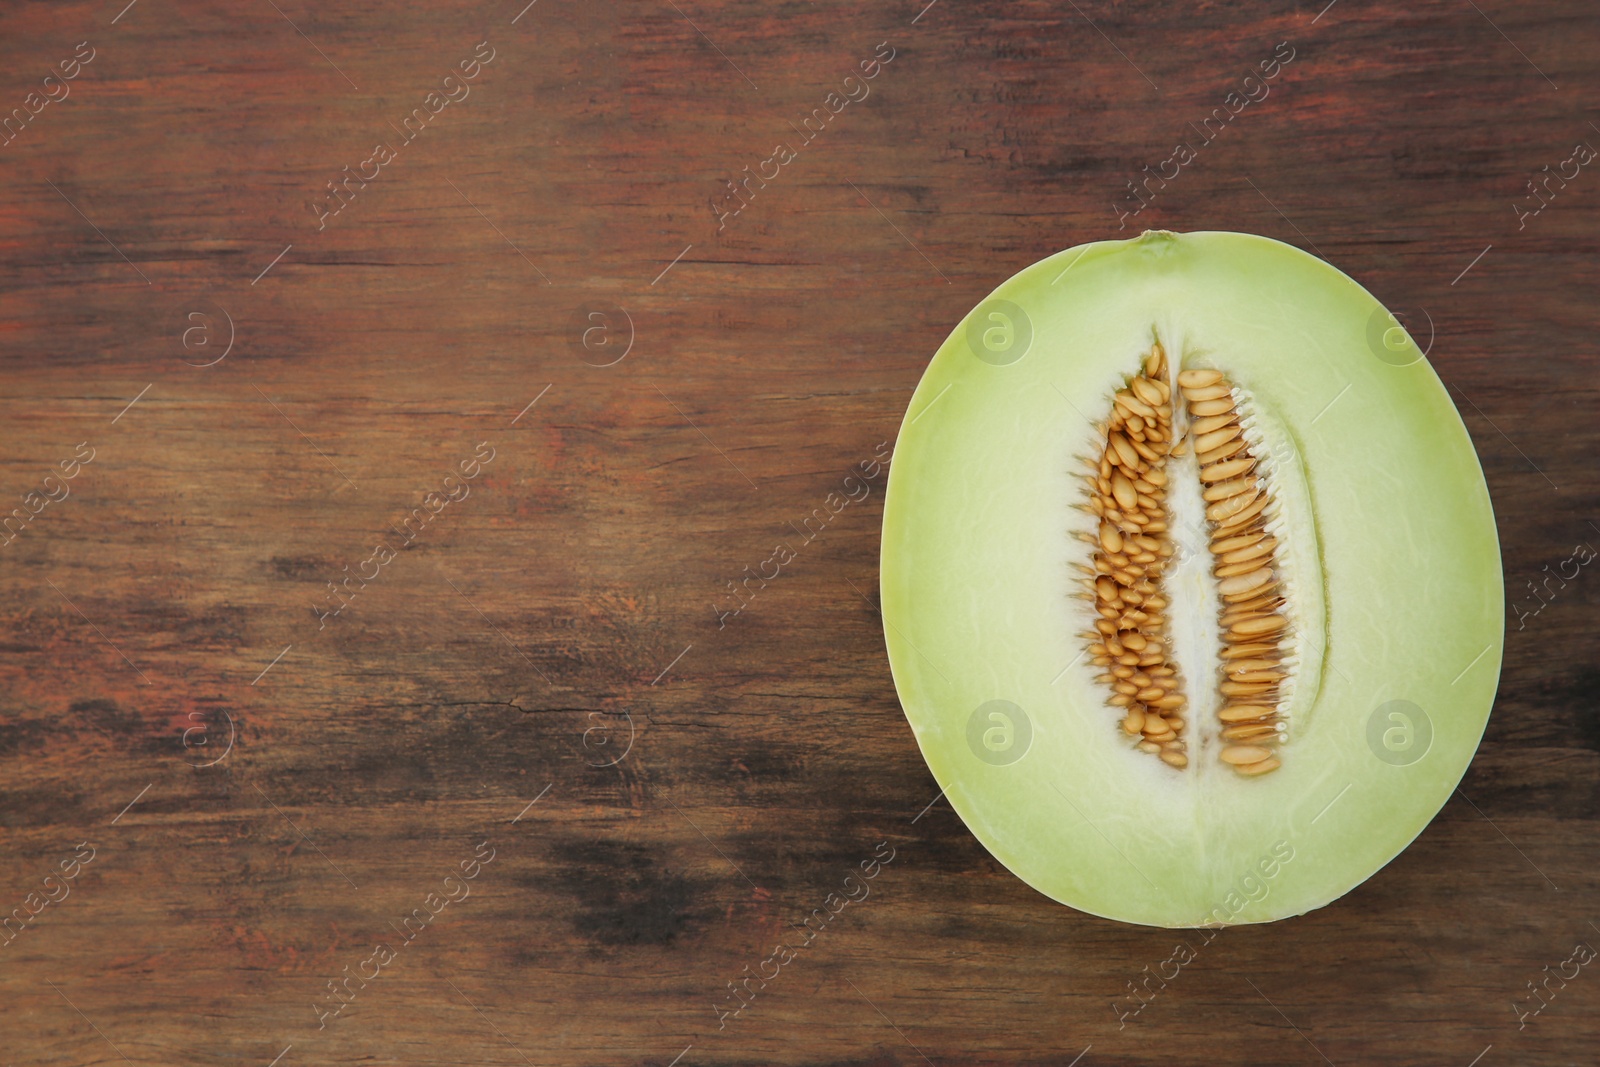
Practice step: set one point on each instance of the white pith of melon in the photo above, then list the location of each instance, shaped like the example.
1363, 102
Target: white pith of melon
1387, 537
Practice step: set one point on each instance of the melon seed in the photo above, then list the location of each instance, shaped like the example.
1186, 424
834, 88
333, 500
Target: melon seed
1248, 731
1222, 471
1196, 377
1213, 422
1122, 489
1243, 713
1205, 442
1266, 765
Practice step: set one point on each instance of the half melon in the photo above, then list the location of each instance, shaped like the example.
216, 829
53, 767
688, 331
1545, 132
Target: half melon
1190, 580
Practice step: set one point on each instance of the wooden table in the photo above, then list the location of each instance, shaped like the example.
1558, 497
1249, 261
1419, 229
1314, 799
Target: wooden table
653, 381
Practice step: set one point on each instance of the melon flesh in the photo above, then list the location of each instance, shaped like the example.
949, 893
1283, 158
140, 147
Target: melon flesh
1389, 550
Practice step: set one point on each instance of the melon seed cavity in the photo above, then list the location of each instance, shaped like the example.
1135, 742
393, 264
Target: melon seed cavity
1128, 483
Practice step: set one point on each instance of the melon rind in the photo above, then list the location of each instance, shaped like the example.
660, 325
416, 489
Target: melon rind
977, 570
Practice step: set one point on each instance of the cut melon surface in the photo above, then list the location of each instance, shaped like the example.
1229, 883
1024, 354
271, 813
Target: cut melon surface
1371, 519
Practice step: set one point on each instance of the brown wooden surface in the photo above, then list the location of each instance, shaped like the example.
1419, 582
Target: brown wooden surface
574, 588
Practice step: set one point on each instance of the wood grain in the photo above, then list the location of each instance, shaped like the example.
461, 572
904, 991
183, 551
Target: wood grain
566, 607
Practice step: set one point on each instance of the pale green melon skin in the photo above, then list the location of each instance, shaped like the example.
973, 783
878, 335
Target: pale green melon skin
975, 585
